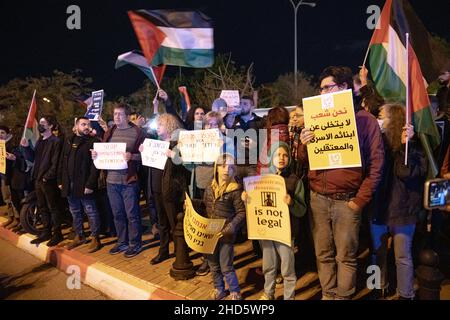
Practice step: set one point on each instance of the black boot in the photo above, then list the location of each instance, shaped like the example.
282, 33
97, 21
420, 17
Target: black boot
57, 237
44, 236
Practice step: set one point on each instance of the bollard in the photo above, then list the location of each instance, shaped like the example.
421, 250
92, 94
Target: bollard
429, 276
182, 268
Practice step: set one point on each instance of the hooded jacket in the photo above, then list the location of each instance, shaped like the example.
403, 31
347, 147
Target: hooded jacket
294, 185
224, 201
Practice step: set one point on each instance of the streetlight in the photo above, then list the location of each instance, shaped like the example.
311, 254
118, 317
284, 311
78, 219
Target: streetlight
46, 99
296, 7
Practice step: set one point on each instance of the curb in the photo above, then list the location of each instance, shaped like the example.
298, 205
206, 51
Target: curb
114, 283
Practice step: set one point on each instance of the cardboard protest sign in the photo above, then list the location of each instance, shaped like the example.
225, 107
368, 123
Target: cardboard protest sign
231, 97
2, 157
110, 156
95, 110
267, 213
201, 234
200, 145
154, 154
332, 119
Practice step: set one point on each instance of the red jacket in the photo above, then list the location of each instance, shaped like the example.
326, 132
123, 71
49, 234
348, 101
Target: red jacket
364, 180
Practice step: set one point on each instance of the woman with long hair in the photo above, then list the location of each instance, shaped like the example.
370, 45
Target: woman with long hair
398, 200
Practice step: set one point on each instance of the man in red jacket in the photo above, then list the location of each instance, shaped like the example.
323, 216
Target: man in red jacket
339, 195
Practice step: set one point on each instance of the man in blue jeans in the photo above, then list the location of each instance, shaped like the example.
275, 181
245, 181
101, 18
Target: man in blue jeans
122, 185
77, 180
339, 195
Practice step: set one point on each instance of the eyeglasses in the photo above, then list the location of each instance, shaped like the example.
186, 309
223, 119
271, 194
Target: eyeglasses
327, 88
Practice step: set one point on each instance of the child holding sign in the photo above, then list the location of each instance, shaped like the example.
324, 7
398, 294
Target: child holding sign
223, 200
273, 251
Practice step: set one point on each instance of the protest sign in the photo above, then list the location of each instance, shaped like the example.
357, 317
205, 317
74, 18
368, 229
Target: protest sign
332, 119
231, 97
201, 234
95, 110
2, 157
110, 156
267, 213
200, 145
154, 154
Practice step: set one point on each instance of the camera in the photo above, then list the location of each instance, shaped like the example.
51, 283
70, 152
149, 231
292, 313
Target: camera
437, 194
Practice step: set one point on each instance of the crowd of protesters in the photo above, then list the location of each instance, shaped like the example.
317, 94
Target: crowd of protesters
328, 206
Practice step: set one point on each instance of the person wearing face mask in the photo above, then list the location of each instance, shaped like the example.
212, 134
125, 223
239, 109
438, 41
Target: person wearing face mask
397, 202
77, 180
45, 169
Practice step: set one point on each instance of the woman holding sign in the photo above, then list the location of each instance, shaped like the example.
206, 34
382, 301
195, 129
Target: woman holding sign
273, 251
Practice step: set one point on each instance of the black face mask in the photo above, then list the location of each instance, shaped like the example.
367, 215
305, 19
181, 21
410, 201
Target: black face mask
41, 129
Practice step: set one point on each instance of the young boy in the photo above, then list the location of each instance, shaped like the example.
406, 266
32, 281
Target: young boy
222, 199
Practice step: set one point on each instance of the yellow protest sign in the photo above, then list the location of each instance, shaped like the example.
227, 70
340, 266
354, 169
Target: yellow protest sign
267, 213
332, 119
2, 157
200, 233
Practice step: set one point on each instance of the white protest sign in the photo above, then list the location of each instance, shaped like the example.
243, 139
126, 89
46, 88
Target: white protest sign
200, 145
231, 97
154, 154
110, 156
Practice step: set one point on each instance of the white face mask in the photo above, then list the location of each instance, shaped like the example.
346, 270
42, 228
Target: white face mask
380, 123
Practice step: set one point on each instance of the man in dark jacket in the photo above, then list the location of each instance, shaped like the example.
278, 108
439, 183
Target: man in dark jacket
45, 169
77, 180
339, 195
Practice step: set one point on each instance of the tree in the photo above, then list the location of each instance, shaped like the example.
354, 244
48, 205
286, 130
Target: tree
282, 91
59, 91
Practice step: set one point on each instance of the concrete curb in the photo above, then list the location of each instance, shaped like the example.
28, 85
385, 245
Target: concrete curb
114, 283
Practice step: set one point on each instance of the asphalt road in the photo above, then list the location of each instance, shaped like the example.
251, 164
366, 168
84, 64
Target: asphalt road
23, 277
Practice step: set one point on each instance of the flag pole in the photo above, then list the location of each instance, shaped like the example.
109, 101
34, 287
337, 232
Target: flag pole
28, 116
154, 77
367, 54
407, 98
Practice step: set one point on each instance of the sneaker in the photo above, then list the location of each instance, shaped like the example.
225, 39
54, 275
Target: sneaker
265, 296
236, 296
132, 251
217, 294
118, 248
203, 270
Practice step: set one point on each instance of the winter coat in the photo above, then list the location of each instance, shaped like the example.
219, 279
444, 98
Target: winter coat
399, 198
86, 174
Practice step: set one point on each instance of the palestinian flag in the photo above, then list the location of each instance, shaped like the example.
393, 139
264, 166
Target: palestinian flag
31, 126
178, 38
84, 100
185, 102
136, 59
388, 65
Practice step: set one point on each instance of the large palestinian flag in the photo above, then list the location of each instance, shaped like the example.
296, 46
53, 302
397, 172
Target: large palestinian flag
388, 65
31, 126
179, 38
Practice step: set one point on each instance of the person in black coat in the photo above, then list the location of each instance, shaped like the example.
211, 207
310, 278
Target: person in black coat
398, 200
46, 159
77, 180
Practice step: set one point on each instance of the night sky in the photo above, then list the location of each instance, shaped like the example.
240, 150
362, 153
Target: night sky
35, 40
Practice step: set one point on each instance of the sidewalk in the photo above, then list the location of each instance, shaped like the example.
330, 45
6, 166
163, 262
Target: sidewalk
135, 279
